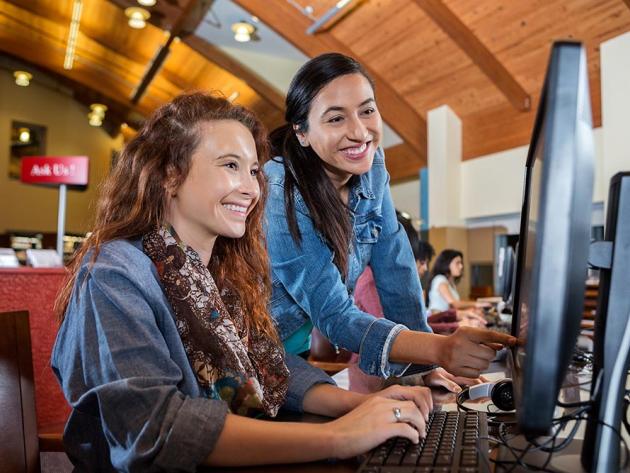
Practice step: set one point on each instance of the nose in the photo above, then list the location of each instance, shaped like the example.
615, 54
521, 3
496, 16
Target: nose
248, 185
357, 131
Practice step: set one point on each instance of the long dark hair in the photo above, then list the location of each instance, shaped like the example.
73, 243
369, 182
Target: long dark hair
442, 263
133, 199
304, 169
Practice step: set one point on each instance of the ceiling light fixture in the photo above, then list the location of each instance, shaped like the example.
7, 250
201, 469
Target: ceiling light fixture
243, 31
22, 78
233, 96
24, 135
97, 114
137, 17
147, 3
77, 7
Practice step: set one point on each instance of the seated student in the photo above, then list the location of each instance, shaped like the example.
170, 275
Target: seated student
446, 273
166, 346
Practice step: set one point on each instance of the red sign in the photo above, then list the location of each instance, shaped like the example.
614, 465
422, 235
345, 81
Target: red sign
53, 170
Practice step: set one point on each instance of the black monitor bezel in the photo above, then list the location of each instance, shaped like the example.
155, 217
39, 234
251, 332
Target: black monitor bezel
563, 198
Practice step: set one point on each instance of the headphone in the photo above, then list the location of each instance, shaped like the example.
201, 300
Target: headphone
501, 394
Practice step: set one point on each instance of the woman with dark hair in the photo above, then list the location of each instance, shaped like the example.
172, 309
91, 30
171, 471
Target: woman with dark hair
447, 270
166, 346
329, 214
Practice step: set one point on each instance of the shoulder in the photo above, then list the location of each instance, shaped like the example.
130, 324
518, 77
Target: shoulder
437, 280
274, 173
118, 260
274, 170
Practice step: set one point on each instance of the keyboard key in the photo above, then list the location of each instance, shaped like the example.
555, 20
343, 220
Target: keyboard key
443, 460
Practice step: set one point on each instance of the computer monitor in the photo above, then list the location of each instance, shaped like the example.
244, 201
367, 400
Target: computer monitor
601, 449
554, 240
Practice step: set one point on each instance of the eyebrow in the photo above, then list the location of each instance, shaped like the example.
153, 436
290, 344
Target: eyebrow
336, 108
235, 156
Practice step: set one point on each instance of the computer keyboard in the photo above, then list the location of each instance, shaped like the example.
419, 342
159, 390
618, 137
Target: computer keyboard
452, 444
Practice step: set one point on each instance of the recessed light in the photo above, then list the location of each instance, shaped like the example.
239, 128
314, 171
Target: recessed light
24, 135
243, 31
137, 17
22, 78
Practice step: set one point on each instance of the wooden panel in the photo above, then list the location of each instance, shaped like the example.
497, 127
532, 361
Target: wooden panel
291, 24
477, 52
112, 58
218, 57
426, 67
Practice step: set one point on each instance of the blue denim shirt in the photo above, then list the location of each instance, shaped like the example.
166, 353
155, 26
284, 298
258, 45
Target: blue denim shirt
307, 284
136, 404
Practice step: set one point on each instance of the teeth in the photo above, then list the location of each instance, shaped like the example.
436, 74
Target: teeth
235, 208
358, 150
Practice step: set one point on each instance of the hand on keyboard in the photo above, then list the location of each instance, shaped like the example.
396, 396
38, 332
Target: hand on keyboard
421, 396
373, 422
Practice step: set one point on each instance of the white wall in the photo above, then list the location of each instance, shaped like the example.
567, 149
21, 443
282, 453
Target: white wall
491, 188
406, 197
492, 185
615, 83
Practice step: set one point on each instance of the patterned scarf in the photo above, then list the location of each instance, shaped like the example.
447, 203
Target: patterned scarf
231, 360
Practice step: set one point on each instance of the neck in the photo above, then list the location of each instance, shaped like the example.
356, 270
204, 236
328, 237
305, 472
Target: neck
340, 181
203, 245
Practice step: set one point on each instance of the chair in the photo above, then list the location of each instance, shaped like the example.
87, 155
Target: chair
19, 449
325, 356
20, 443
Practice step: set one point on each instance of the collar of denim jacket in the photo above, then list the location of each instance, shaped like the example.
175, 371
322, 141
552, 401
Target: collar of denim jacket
363, 186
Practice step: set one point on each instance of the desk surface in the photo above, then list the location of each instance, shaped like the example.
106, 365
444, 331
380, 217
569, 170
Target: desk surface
576, 387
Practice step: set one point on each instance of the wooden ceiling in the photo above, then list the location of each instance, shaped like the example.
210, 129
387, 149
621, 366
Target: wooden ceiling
112, 58
484, 58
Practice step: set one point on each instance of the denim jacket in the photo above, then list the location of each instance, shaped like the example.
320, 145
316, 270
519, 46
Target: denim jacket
308, 285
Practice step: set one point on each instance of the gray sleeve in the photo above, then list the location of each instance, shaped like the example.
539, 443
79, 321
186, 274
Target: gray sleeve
117, 371
302, 378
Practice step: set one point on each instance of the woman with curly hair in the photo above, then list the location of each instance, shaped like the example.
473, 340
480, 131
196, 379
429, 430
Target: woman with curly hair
166, 351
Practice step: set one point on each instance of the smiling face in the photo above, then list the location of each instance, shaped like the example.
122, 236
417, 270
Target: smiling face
221, 188
344, 127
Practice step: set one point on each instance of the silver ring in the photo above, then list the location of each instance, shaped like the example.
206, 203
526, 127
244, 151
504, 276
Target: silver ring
397, 414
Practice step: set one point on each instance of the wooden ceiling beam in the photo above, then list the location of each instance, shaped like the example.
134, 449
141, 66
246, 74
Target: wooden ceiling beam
477, 52
287, 21
224, 61
162, 53
403, 163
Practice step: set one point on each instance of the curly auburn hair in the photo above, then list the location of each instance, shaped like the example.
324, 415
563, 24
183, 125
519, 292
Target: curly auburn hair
134, 197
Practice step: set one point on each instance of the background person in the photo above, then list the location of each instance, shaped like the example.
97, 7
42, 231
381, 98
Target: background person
448, 269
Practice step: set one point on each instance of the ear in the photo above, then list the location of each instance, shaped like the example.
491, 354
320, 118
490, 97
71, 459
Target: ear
301, 136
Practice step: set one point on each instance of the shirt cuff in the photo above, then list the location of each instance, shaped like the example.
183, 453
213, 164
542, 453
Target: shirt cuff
376, 346
303, 377
196, 428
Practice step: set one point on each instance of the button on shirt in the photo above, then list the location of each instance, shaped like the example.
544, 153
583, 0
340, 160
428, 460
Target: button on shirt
308, 286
